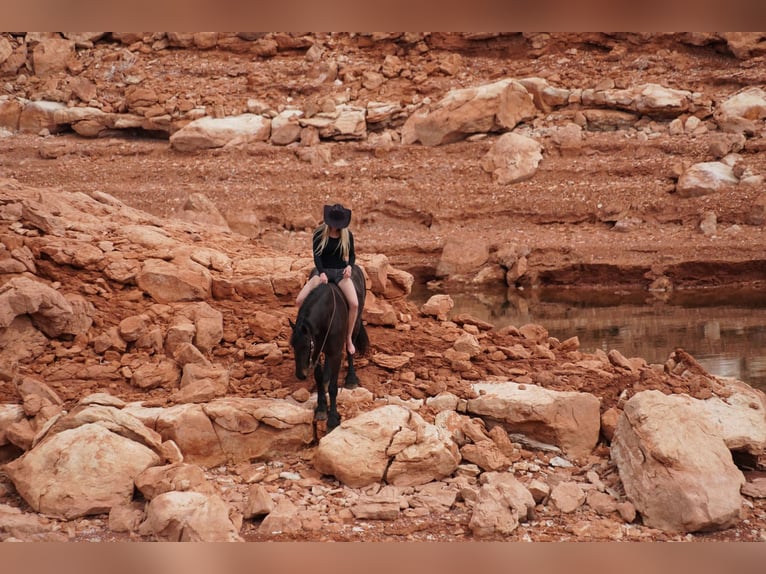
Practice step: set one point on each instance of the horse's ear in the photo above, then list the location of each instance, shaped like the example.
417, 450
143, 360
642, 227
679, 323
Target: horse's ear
292, 325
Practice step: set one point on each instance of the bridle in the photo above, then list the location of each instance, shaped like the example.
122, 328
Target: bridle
313, 363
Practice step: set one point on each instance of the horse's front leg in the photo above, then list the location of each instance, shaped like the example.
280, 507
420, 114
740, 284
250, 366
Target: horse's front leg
332, 368
320, 412
352, 381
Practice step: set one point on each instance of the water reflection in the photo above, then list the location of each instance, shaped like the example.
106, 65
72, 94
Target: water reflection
725, 330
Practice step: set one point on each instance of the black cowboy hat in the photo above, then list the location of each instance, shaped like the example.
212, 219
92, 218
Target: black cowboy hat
337, 216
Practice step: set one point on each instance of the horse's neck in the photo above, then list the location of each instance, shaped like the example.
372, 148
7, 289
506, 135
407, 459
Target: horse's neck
319, 311
324, 310
335, 291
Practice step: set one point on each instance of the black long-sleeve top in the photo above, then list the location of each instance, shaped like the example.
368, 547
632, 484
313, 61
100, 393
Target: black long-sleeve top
331, 257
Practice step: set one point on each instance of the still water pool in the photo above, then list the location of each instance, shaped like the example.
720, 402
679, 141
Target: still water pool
725, 330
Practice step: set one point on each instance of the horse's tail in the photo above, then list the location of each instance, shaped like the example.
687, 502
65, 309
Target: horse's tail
362, 341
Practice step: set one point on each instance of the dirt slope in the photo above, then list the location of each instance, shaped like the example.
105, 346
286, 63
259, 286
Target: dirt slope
409, 199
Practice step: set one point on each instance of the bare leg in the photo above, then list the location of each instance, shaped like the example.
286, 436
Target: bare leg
310, 284
347, 286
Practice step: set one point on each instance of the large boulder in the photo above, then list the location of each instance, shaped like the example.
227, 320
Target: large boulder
502, 503
85, 121
51, 311
678, 481
743, 112
10, 111
649, 99
37, 116
705, 178
105, 411
391, 444
492, 107
78, 254
80, 471
208, 132
52, 55
569, 420
189, 517
169, 281
513, 158
438, 306
149, 237
285, 128
545, 96
231, 429
208, 324
739, 414
21, 340
346, 122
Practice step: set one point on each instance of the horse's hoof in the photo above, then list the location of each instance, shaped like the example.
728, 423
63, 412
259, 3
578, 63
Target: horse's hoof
320, 415
333, 423
351, 384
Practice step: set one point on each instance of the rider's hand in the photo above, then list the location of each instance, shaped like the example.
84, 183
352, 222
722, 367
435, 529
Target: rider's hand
323, 277
347, 272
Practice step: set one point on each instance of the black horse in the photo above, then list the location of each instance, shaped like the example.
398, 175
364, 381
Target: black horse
320, 329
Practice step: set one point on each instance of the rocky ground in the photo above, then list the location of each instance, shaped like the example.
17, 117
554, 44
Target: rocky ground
600, 211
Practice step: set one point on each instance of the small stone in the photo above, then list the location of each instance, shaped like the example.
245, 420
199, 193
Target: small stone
627, 511
560, 462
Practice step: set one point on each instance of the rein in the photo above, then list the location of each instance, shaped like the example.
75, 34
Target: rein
313, 363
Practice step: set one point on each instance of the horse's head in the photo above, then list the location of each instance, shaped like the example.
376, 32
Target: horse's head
303, 347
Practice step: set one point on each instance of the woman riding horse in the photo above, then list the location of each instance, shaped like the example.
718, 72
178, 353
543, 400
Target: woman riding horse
334, 257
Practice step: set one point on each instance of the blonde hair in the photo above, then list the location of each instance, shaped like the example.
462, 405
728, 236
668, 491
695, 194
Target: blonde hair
324, 229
